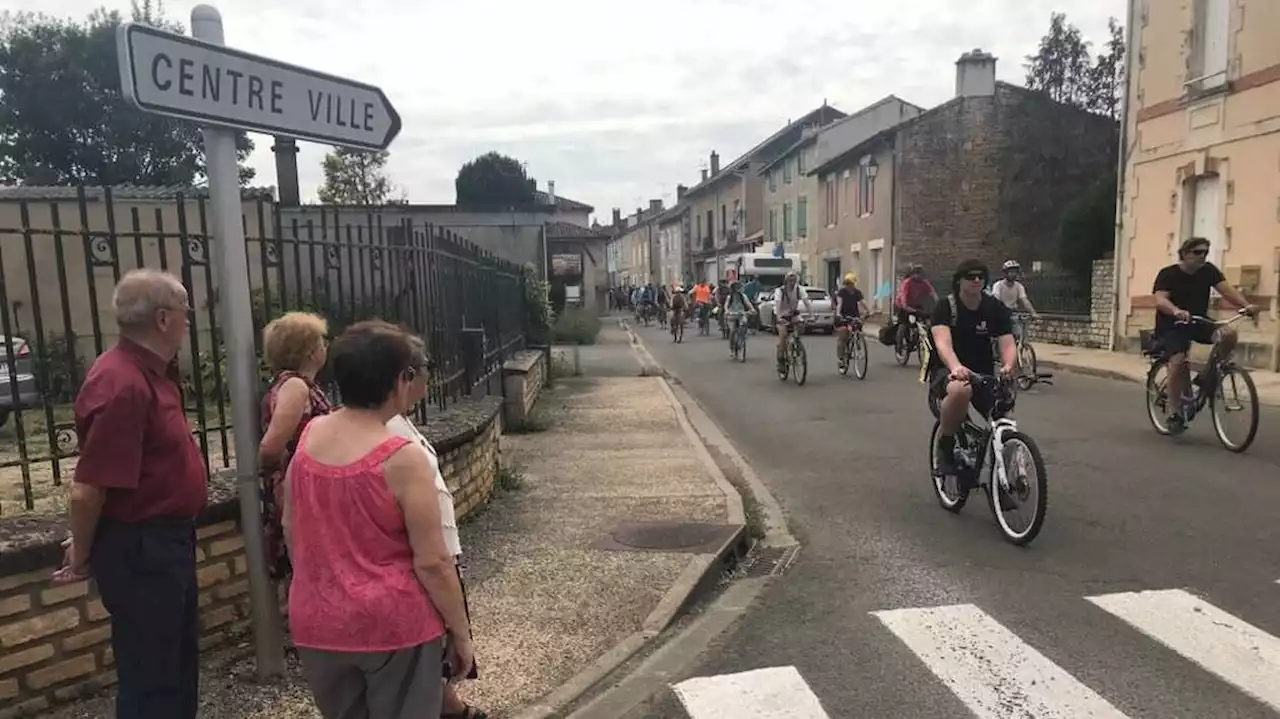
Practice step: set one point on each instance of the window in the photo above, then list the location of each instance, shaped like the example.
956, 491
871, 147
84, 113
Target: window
802, 216
833, 200
773, 181
786, 171
800, 160
866, 190
1209, 36
1202, 215
786, 222
773, 225
700, 235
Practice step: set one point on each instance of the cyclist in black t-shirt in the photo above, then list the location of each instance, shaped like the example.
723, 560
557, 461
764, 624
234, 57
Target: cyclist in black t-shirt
1182, 290
962, 346
849, 300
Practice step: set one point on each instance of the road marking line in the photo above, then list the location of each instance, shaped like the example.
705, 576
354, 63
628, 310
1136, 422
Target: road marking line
757, 694
1237, 652
990, 669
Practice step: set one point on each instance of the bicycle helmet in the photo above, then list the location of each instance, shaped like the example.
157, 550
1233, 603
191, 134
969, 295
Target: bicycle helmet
850, 278
1010, 265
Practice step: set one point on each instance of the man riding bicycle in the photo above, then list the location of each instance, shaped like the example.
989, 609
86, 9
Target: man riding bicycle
1182, 290
913, 291
1013, 294
786, 304
963, 327
848, 302
679, 305
663, 301
701, 299
734, 308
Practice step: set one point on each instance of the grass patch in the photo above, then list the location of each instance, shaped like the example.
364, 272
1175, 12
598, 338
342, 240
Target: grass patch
538, 420
575, 326
510, 478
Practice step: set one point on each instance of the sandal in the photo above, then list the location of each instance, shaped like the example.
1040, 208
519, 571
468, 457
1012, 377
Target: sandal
468, 712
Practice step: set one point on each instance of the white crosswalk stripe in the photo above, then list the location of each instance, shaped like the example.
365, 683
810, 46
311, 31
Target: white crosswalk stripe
997, 675
757, 694
1237, 652
989, 668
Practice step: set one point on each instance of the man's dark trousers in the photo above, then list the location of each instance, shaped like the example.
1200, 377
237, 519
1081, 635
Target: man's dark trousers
146, 574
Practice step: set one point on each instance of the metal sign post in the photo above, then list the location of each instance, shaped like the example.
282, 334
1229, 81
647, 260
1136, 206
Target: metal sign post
225, 90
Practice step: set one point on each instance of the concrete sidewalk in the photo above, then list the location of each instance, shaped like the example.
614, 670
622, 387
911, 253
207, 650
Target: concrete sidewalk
602, 528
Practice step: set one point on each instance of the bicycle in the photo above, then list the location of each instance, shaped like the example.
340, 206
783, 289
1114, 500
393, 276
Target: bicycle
975, 445
795, 362
704, 319
1208, 386
917, 326
1027, 375
738, 338
854, 351
677, 326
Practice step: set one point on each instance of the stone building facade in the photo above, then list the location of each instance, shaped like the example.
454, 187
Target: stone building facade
990, 173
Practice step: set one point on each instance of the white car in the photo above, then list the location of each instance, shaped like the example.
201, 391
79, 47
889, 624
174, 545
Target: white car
822, 318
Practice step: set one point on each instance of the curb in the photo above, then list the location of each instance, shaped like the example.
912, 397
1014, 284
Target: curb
1089, 371
699, 576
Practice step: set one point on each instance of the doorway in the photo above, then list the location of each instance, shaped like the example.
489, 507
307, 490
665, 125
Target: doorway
833, 275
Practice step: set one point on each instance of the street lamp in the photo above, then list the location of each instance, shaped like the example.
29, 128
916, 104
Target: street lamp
872, 168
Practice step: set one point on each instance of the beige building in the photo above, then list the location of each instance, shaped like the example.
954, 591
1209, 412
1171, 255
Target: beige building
789, 192
727, 205
1203, 142
634, 245
673, 243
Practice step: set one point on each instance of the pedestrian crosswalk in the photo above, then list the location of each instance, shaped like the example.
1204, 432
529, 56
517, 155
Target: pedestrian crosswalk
998, 675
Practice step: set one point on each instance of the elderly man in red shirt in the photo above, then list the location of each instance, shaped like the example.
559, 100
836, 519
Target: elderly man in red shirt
139, 485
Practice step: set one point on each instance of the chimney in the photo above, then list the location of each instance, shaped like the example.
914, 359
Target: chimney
976, 74
533, 185
655, 206
551, 192
617, 217
715, 163
704, 174
680, 190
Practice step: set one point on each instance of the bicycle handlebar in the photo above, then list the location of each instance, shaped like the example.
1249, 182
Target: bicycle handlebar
1199, 319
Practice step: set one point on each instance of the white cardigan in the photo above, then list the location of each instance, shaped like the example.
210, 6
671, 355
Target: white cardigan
401, 426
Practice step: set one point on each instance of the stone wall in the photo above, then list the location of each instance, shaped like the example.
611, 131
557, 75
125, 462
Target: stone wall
55, 640
523, 377
1092, 330
990, 177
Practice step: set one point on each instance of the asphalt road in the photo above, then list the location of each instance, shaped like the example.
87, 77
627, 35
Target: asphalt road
1129, 511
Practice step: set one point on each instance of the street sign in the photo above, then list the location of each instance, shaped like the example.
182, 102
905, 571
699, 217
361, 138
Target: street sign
179, 76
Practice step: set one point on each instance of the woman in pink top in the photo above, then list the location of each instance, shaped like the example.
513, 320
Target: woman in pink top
374, 589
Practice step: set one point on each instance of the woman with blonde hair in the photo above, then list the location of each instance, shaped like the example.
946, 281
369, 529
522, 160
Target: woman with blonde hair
294, 347
375, 588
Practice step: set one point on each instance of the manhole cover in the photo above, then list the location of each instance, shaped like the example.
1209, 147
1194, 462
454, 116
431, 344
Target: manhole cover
691, 537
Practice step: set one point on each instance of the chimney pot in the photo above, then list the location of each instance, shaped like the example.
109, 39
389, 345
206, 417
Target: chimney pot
680, 190
976, 74
715, 163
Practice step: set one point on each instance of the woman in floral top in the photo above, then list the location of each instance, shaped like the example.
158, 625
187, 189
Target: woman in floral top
294, 347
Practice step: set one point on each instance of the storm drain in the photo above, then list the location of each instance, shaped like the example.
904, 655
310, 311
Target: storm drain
771, 561
682, 537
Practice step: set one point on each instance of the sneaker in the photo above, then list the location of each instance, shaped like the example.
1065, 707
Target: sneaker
947, 460
1176, 424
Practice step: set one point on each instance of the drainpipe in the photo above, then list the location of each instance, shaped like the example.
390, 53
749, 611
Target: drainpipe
893, 222
1119, 249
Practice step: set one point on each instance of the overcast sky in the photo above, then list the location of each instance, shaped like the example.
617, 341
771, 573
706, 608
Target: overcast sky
618, 101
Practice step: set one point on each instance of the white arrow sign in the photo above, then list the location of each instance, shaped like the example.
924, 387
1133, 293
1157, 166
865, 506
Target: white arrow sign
175, 75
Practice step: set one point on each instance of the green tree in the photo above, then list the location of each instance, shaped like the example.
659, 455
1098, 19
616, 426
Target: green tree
1088, 227
355, 177
1060, 66
63, 119
1106, 77
493, 179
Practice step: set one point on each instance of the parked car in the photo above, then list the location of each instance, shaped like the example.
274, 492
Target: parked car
821, 320
21, 374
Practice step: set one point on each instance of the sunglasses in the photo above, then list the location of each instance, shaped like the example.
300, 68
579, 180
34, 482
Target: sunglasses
1199, 253
975, 276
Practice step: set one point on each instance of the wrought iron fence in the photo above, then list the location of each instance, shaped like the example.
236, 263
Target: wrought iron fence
1051, 291
61, 256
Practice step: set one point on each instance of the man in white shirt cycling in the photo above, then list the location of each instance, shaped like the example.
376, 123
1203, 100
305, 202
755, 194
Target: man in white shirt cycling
786, 303
1013, 294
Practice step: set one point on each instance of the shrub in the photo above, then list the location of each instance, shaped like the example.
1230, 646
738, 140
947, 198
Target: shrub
575, 326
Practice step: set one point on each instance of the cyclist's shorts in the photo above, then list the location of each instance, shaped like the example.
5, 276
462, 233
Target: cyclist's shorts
1178, 338
983, 398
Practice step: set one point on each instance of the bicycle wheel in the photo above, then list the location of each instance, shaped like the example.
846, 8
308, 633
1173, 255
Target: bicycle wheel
859, 358
1233, 381
902, 351
1157, 399
1026, 366
742, 343
846, 349
946, 489
799, 362
1020, 454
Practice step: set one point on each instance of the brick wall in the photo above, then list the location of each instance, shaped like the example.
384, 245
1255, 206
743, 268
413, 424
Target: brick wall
1092, 330
990, 177
55, 640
